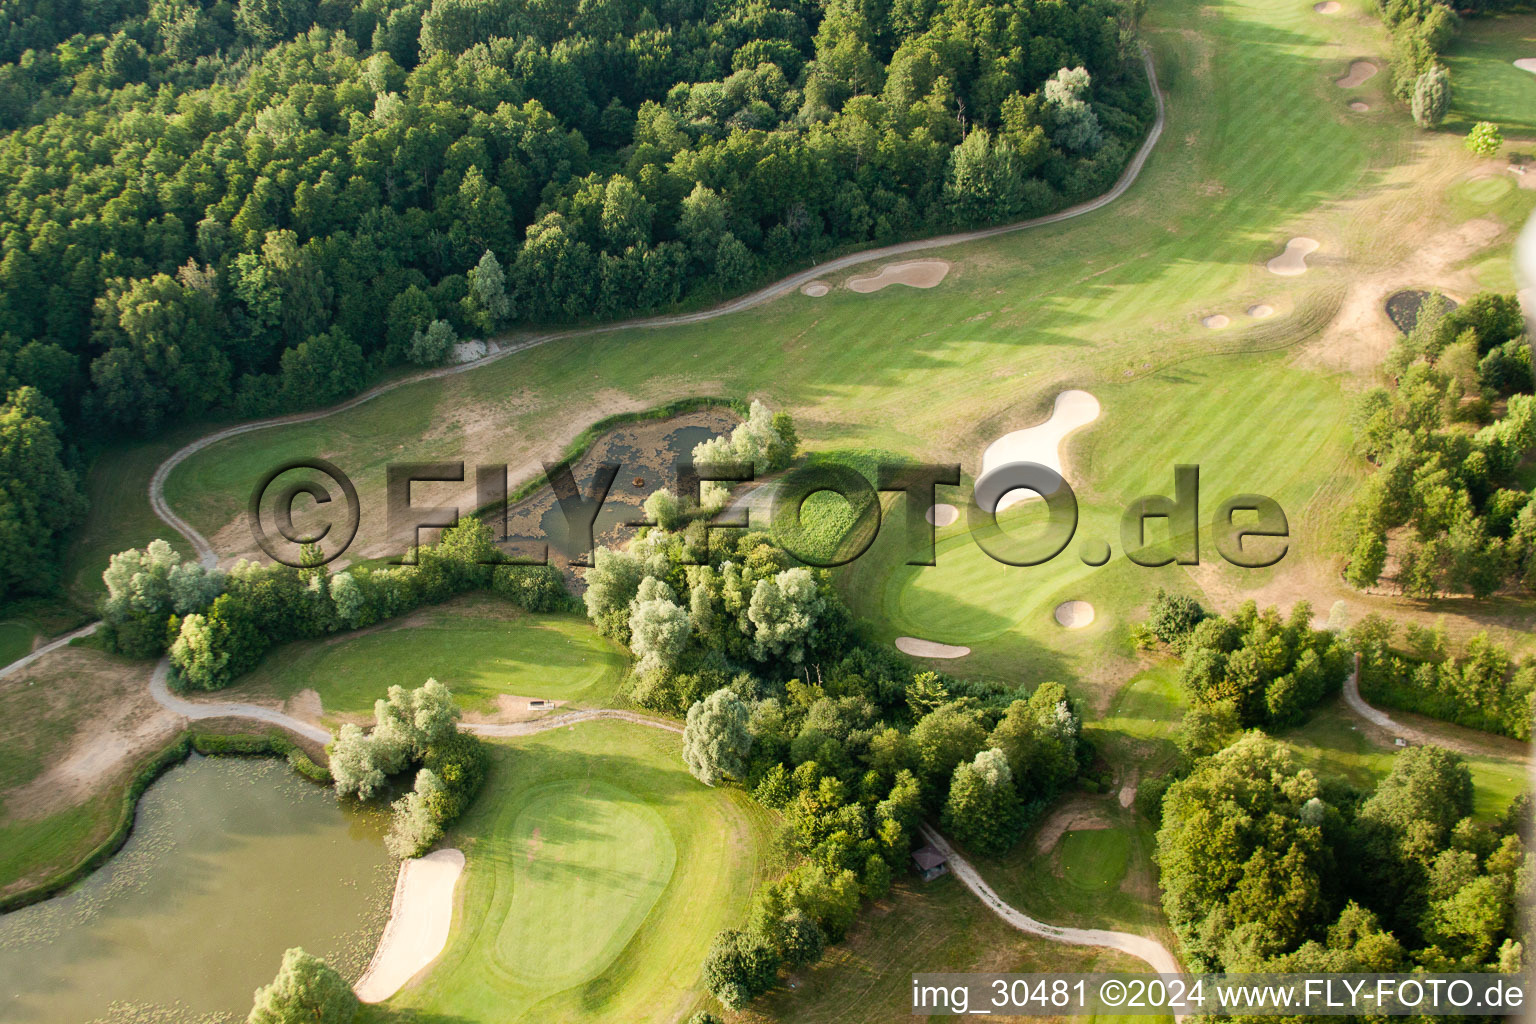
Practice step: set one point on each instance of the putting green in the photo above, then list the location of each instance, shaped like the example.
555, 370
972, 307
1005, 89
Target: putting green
598, 872
1486, 189
596, 861
478, 646
1094, 859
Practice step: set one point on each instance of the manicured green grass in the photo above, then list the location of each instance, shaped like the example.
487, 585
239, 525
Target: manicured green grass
1485, 84
598, 872
1093, 859
479, 647
38, 848
938, 373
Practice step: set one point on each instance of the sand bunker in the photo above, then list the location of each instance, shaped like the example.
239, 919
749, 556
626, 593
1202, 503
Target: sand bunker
915, 274
815, 289
1359, 107
1360, 72
1293, 262
418, 924
1040, 444
928, 648
468, 352
943, 515
1527, 64
1327, 7
1074, 614
1260, 311
1216, 322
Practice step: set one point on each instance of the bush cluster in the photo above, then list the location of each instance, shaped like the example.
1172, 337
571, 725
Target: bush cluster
1445, 509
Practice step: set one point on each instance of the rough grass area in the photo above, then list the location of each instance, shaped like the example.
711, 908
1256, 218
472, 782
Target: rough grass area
479, 646
598, 872
937, 926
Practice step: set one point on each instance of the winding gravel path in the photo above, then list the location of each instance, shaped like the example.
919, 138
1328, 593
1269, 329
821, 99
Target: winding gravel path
500, 350
1152, 952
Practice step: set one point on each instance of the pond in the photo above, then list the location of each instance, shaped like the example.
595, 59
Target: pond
646, 451
231, 862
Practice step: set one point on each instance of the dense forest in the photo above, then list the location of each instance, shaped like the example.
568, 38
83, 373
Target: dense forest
215, 208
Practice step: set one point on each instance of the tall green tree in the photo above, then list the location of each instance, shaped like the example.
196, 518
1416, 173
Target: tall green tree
306, 990
40, 498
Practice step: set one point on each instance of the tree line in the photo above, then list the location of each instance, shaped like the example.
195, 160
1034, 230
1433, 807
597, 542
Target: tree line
785, 697
212, 209
216, 625
1446, 511
1421, 31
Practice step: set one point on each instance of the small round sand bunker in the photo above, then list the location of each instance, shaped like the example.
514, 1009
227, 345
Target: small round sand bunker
1293, 262
942, 515
1216, 322
1358, 107
1360, 72
1260, 311
1328, 7
815, 289
929, 648
913, 274
1074, 614
1527, 64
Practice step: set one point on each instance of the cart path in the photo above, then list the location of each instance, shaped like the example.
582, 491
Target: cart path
1152, 952
502, 349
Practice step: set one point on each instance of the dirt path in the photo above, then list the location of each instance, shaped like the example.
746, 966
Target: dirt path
199, 709
1152, 952
501, 349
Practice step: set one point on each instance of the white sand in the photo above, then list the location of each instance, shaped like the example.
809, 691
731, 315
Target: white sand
928, 648
1293, 262
1327, 7
1359, 107
943, 515
1261, 311
1074, 614
914, 274
1216, 322
815, 289
1040, 444
1360, 72
418, 924
1527, 64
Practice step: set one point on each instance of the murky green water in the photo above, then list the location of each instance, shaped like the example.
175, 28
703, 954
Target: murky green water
231, 862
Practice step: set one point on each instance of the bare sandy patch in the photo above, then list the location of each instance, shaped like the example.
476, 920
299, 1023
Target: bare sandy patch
1040, 444
1127, 795
1261, 310
1360, 334
112, 721
1215, 322
1074, 816
815, 289
913, 274
1074, 614
306, 705
942, 514
1327, 7
1293, 262
1527, 64
1359, 106
929, 648
468, 351
1360, 72
418, 924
